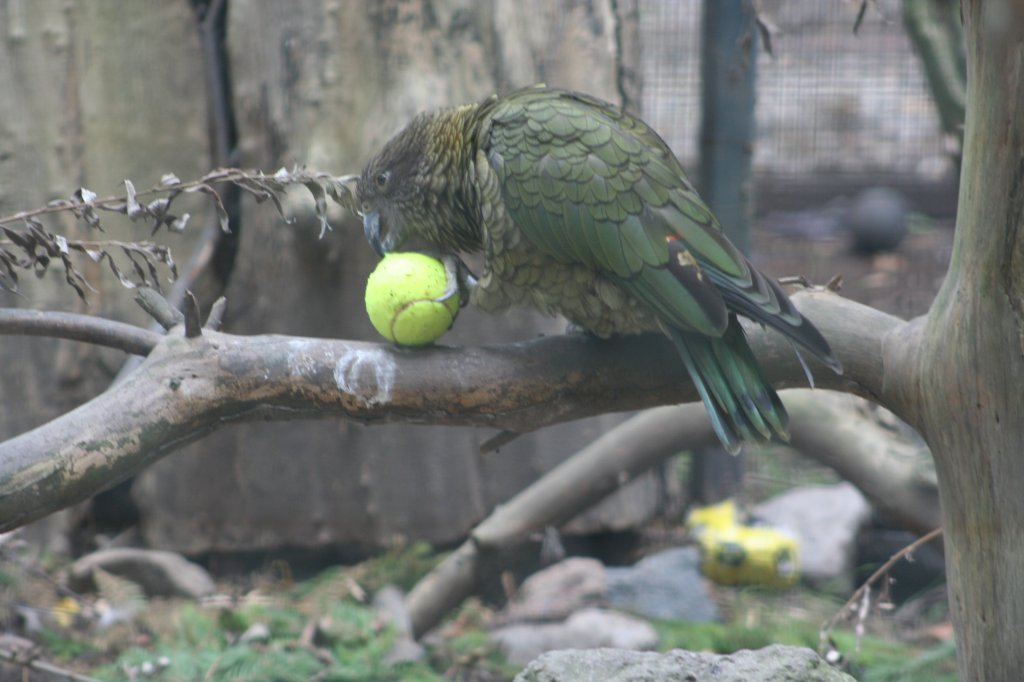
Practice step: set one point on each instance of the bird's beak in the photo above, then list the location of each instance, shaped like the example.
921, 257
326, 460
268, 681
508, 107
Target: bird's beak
371, 228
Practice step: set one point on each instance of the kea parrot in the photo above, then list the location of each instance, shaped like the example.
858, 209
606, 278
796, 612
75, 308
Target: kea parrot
582, 210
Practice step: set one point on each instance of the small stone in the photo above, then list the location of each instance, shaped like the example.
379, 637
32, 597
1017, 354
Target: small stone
557, 591
586, 629
668, 584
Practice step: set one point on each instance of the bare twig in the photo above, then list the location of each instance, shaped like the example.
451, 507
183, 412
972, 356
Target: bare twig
158, 308
860, 596
860, 14
193, 325
120, 203
31, 247
76, 327
765, 27
216, 316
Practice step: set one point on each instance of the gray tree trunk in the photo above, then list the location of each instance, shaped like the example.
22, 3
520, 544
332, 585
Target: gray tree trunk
83, 105
966, 390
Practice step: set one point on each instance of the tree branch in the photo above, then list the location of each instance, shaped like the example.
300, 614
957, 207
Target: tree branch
187, 388
867, 455
110, 333
852, 444
579, 482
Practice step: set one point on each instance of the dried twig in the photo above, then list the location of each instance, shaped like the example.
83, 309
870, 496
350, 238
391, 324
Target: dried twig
861, 595
31, 247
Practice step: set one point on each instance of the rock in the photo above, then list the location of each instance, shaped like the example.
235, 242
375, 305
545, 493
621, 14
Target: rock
586, 629
257, 633
826, 520
389, 603
776, 663
557, 591
158, 573
664, 585
877, 219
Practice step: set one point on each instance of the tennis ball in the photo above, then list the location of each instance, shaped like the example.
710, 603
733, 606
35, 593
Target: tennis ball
400, 295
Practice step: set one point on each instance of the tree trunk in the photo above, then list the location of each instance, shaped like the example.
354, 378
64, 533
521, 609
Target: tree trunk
971, 359
83, 105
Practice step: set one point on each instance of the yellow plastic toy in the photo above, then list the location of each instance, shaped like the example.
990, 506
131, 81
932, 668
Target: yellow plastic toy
735, 554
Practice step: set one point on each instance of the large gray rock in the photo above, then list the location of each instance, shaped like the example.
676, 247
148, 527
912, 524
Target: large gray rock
774, 663
557, 591
825, 519
158, 573
668, 584
585, 629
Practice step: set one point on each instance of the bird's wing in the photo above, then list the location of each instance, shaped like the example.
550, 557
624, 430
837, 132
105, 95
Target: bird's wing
589, 184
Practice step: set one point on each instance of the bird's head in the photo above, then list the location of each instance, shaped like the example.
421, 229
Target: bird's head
418, 187
392, 193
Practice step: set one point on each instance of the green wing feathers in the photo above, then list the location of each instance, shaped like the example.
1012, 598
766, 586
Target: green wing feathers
590, 185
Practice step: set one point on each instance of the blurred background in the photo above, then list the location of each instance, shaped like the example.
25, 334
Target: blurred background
850, 170
826, 135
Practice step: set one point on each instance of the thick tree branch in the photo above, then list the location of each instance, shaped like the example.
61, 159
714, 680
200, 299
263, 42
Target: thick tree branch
187, 388
584, 479
864, 453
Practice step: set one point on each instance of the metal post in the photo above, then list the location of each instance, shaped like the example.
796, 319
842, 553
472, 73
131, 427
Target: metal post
729, 57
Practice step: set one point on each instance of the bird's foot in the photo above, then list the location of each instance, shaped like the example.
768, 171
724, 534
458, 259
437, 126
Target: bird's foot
458, 280
834, 284
571, 328
799, 280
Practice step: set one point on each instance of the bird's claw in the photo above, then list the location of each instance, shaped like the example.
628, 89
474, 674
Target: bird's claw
458, 280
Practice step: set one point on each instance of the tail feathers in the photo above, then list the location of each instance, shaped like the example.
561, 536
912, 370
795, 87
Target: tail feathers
741, 404
764, 301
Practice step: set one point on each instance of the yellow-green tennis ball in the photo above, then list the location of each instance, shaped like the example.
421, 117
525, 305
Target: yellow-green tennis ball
400, 299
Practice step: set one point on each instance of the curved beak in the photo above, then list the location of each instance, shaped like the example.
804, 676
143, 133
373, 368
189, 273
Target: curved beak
371, 228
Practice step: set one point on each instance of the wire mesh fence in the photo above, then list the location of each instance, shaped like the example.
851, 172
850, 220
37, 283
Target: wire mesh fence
832, 106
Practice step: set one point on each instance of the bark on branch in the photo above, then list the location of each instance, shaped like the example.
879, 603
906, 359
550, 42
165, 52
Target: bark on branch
187, 388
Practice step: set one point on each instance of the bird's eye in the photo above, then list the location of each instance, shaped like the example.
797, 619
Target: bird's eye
382, 179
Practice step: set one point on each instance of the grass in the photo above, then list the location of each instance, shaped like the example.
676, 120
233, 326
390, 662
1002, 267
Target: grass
322, 629
344, 642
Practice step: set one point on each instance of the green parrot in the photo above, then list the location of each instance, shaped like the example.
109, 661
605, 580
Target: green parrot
582, 210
